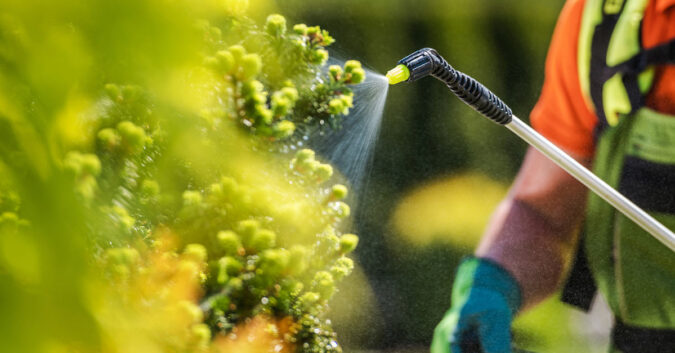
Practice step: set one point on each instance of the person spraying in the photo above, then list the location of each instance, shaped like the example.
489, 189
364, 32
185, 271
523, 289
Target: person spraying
608, 101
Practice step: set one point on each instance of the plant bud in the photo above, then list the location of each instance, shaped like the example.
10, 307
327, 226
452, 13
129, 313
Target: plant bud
275, 261
217, 273
195, 252
229, 242
304, 154
336, 106
264, 115
300, 29
275, 25
259, 100
9, 218
109, 137
308, 167
308, 300
335, 72
342, 210
133, 135
230, 265
123, 217
326, 39
149, 187
347, 99
324, 284
237, 52
295, 287
357, 76
192, 198
250, 65
188, 269
225, 61
246, 229
284, 129
236, 284
348, 243
318, 56
263, 239
351, 65
211, 62
251, 87
72, 162
298, 44
123, 256
87, 186
91, 164
113, 91
338, 192
216, 189
281, 105
313, 30
330, 241
342, 268
290, 93
323, 172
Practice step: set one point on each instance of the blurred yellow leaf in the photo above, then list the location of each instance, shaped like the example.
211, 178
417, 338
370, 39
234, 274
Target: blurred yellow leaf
451, 210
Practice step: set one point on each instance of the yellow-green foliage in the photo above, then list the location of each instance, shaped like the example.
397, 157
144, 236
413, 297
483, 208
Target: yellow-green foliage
146, 201
466, 201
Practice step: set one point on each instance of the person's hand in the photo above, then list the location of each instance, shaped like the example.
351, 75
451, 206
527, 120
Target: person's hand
484, 300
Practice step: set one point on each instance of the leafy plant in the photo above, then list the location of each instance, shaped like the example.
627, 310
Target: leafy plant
207, 222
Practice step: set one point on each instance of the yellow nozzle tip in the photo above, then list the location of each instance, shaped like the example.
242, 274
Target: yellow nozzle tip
398, 74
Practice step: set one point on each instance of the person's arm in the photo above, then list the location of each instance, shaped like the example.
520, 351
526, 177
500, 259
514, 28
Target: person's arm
520, 260
533, 232
530, 238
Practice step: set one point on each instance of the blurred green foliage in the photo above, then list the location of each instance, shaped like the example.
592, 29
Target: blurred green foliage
150, 196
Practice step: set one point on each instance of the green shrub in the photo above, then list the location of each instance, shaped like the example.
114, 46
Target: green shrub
199, 217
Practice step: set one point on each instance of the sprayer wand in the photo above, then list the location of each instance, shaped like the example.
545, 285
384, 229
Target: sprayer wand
427, 62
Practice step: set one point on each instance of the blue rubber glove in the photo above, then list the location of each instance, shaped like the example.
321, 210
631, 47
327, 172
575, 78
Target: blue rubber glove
485, 299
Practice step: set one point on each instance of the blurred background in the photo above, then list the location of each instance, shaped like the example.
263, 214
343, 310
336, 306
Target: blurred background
439, 168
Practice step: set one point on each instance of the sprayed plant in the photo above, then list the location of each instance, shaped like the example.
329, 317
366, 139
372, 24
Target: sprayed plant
208, 222
280, 84
230, 226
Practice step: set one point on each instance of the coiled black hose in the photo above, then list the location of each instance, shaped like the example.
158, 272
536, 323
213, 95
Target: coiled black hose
427, 62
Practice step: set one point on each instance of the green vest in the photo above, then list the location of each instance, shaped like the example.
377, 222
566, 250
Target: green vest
635, 154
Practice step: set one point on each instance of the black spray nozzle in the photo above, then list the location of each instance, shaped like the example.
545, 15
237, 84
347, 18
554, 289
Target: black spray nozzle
427, 62
422, 63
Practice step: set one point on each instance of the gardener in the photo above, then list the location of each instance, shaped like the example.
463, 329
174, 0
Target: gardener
609, 100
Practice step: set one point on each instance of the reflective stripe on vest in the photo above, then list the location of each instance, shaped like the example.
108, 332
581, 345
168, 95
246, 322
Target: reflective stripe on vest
609, 36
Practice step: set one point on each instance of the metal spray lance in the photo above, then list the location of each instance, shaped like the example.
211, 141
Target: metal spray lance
427, 62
